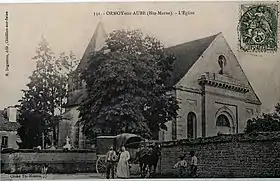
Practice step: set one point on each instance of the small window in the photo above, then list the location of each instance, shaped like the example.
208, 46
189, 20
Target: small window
4, 143
222, 63
77, 135
174, 130
76, 83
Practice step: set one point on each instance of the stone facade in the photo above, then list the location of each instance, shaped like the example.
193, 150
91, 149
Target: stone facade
208, 95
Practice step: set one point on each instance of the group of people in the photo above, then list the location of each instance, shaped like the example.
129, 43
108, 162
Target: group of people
183, 165
121, 160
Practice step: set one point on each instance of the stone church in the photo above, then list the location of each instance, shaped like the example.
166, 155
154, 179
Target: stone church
214, 92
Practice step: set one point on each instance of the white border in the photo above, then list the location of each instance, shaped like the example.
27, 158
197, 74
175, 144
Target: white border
224, 179
100, 1
88, 1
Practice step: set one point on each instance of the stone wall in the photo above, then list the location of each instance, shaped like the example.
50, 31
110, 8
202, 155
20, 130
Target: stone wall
240, 155
58, 161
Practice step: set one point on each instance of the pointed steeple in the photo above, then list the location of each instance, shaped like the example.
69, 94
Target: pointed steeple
96, 43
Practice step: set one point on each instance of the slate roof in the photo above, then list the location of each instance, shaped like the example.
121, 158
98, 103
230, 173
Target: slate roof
5, 125
186, 55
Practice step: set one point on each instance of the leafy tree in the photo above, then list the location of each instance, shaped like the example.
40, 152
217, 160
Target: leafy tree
40, 108
126, 87
277, 109
264, 123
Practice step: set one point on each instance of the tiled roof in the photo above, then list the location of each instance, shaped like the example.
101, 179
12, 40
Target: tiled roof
186, 55
5, 125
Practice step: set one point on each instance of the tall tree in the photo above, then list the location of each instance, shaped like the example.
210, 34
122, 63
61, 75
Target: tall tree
126, 87
40, 108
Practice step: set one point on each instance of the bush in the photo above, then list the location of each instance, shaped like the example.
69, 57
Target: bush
264, 123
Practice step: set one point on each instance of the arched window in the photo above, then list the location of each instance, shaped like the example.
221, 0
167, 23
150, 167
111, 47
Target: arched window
191, 125
223, 124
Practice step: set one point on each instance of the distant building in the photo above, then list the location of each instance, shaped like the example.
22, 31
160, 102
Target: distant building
215, 94
8, 128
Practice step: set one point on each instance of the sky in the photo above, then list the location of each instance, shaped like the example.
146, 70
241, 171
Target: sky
69, 27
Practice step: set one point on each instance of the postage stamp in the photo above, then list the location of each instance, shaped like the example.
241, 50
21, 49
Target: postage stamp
258, 27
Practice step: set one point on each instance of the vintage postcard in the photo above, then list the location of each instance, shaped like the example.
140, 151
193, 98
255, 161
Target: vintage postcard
140, 90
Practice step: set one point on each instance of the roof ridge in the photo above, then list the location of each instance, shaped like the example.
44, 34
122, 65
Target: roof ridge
199, 39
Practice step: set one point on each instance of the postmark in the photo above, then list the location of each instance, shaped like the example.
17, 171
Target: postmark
257, 28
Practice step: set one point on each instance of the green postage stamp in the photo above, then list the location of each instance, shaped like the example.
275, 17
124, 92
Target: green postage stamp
258, 27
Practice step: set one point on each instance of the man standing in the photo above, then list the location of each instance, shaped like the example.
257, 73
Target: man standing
193, 164
111, 158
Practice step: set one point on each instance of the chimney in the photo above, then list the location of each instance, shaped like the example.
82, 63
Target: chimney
12, 114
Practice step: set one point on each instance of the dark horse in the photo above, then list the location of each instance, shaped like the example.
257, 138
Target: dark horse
148, 158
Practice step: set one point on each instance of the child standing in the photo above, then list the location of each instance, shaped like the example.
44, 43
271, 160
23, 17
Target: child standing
181, 165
